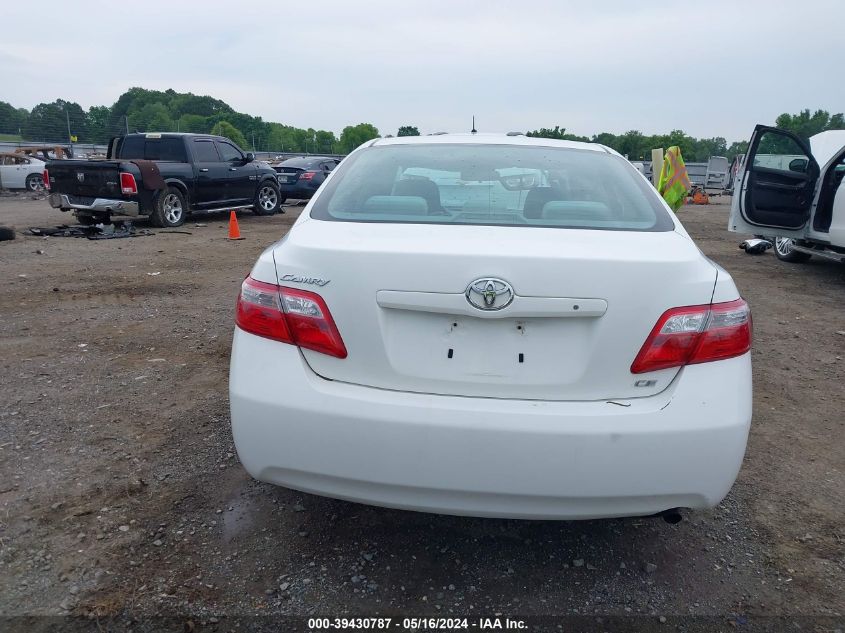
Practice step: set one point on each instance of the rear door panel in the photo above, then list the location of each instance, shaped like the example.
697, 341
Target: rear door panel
776, 190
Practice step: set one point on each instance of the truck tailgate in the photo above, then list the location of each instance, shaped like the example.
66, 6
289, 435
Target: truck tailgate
85, 177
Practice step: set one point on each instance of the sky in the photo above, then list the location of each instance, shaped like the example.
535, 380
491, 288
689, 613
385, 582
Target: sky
709, 68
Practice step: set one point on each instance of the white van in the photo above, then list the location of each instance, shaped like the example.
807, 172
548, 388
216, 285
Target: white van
793, 192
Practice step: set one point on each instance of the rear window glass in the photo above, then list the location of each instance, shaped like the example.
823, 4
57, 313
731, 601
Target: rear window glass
143, 148
506, 185
300, 163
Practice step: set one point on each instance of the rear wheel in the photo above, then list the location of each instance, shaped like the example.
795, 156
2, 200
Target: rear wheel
267, 198
35, 182
785, 252
170, 209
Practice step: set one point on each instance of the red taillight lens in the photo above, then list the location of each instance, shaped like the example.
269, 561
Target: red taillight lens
127, 183
696, 334
46, 178
259, 311
307, 175
288, 315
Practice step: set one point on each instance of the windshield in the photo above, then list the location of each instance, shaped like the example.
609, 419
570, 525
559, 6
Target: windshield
507, 185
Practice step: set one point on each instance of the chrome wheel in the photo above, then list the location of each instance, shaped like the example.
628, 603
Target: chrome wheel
786, 251
172, 208
267, 198
783, 245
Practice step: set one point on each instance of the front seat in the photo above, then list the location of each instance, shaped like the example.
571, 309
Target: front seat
537, 199
422, 188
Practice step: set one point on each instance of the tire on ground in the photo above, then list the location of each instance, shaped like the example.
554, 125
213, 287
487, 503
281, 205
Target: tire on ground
267, 198
785, 252
170, 209
34, 182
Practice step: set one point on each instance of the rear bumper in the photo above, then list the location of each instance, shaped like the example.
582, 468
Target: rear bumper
94, 205
489, 457
298, 191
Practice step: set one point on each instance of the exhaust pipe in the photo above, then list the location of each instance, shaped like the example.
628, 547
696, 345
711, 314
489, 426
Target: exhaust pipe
672, 516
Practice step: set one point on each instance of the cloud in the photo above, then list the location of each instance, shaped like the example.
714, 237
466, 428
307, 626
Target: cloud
714, 69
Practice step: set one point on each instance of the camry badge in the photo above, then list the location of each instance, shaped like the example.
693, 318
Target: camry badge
489, 293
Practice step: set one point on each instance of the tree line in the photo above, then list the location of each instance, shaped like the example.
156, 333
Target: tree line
142, 110
637, 146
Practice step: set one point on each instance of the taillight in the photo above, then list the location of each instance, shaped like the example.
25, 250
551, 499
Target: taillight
288, 315
307, 175
127, 183
46, 178
696, 334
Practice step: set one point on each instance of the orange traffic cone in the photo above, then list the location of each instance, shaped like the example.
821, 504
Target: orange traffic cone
234, 230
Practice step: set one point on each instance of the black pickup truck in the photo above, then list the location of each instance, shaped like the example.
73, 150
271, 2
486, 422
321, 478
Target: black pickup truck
165, 177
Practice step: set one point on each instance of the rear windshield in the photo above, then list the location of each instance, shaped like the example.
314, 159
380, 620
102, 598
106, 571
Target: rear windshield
303, 163
143, 148
506, 185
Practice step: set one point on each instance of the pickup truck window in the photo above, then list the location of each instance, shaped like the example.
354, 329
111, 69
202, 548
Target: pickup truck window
142, 148
229, 153
204, 152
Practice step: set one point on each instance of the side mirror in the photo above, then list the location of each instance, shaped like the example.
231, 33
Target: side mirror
249, 157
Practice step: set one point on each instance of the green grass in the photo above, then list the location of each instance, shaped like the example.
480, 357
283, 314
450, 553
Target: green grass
14, 138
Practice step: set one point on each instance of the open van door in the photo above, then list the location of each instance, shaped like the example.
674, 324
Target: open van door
774, 193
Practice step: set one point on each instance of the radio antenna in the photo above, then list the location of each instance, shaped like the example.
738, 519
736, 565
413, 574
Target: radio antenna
473, 130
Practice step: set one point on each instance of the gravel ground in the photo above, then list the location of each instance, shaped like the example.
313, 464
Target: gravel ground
121, 496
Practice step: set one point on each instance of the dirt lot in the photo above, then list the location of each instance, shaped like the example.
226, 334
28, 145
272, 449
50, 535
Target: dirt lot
121, 495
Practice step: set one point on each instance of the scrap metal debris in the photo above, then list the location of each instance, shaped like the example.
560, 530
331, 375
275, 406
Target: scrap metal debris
93, 232
755, 246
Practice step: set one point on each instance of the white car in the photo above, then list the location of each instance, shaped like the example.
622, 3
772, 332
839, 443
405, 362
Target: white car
492, 326
21, 172
794, 192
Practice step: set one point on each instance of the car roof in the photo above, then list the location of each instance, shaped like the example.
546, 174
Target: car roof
490, 139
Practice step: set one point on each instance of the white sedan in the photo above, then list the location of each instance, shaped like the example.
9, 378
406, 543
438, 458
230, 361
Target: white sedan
492, 326
21, 172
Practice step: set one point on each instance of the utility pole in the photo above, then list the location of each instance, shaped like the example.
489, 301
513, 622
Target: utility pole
126, 122
69, 138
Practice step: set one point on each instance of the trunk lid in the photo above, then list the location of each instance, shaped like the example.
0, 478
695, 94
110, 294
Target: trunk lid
288, 175
85, 178
585, 301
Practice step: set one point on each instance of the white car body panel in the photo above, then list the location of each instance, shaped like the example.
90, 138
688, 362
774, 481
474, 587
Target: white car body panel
544, 266
566, 434
489, 457
14, 176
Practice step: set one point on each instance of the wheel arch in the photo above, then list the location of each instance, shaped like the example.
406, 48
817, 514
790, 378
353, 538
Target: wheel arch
181, 186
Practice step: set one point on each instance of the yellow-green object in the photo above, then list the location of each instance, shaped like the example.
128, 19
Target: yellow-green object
674, 182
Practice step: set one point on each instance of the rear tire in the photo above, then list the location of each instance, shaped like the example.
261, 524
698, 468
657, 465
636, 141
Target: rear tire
267, 198
35, 182
785, 252
170, 209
